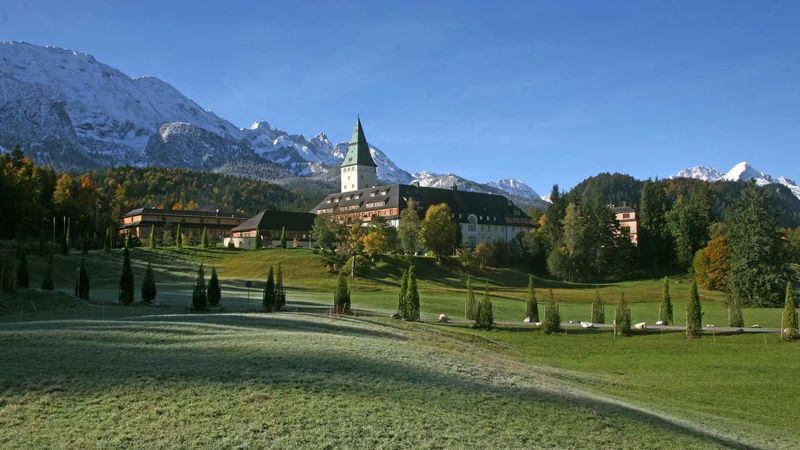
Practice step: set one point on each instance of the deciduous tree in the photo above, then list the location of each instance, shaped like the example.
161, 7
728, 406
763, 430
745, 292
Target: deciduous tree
438, 231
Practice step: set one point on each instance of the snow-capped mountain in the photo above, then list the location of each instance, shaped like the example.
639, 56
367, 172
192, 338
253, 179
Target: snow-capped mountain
742, 171
73, 112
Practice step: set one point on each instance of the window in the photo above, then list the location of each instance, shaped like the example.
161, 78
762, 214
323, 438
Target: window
626, 216
473, 223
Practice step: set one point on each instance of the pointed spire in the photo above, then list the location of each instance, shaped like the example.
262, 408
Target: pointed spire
358, 150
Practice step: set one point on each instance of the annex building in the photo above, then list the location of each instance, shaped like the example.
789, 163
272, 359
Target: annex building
482, 217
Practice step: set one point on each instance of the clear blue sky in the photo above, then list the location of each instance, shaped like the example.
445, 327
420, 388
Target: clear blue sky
549, 92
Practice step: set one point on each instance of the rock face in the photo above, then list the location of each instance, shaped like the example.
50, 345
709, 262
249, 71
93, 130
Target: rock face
73, 112
742, 171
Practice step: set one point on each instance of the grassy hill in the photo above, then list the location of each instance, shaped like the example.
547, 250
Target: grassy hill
96, 374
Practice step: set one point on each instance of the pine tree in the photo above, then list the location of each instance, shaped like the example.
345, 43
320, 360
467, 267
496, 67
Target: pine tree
214, 292
789, 320
341, 297
268, 299
412, 296
654, 239
485, 317
735, 315
199, 297
47, 281
179, 237
552, 317
694, 314
531, 306
622, 317
152, 241
82, 283
149, 290
126, 280
280, 292
204, 238
665, 308
107, 241
65, 243
598, 308
402, 304
23, 277
283, 237
471, 310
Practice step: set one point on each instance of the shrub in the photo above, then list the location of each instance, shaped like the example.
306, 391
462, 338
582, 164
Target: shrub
552, 318
485, 317
213, 292
789, 320
694, 314
126, 280
149, 290
735, 316
341, 297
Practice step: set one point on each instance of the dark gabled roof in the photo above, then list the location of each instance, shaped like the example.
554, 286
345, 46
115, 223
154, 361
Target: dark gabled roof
489, 208
357, 149
170, 212
623, 209
275, 220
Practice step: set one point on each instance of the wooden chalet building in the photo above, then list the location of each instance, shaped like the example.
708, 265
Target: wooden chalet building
482, 217
265, 229
140, 221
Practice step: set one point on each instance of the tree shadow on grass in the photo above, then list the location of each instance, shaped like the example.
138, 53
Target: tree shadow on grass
124, 356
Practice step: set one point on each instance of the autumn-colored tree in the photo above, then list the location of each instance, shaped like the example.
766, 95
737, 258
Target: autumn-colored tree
438, 231
375, 243
711, 265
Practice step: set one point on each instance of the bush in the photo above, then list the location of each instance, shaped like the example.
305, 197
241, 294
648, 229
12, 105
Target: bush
552, 318
735, 315
485, 317
341, 297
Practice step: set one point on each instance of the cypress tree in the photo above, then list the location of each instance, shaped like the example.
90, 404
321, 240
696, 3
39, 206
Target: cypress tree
622, 317
23, 277
82, 283
107, 241
789, 320
735, 315
694, 314
531, 305
68, 236
126, 280
64, 244
149, 290
47, 281
199, 297
485, 318
283, 237
269, 292
204, 238
412, 296
214, 292
598, 308
179, 237
152, 241
472, 303
280, 292
402, 305
665, 309
126, 240
341, 297
552, 317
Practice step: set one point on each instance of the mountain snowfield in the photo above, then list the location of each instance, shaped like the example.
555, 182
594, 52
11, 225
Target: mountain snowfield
742, 171
71, 111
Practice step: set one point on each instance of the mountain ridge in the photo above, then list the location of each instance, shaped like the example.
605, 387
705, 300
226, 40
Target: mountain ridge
742, 171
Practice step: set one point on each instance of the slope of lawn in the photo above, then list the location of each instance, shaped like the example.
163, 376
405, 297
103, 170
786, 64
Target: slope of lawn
303, 381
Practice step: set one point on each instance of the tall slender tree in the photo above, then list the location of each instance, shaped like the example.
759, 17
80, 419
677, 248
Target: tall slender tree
23, 277
665, 308
789, 320
280, 292
153, 239
408, 231
735, 315
283, 237
47, 280
82, 283
149, 290
402, 304
531, 305
213, 291
654, 245
470, 303
552, 317
622, 317
694, 314
126, 280
485, 318
199, 295
268, 299
179, 237
108, 240
412, 296
598, 308
341, 297
204, 238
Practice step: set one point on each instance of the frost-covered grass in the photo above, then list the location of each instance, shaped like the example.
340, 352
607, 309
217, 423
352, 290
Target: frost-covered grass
303, 381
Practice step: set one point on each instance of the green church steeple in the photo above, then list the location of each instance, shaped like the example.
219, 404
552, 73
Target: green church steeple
358, 150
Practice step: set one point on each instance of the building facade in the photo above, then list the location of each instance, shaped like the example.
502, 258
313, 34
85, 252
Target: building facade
628, 221
265, 228
139, 222
482, 217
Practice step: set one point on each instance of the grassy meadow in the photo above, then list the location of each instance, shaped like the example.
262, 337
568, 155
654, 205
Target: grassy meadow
97, 375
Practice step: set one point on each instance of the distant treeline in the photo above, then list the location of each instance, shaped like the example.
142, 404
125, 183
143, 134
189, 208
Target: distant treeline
31, 195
